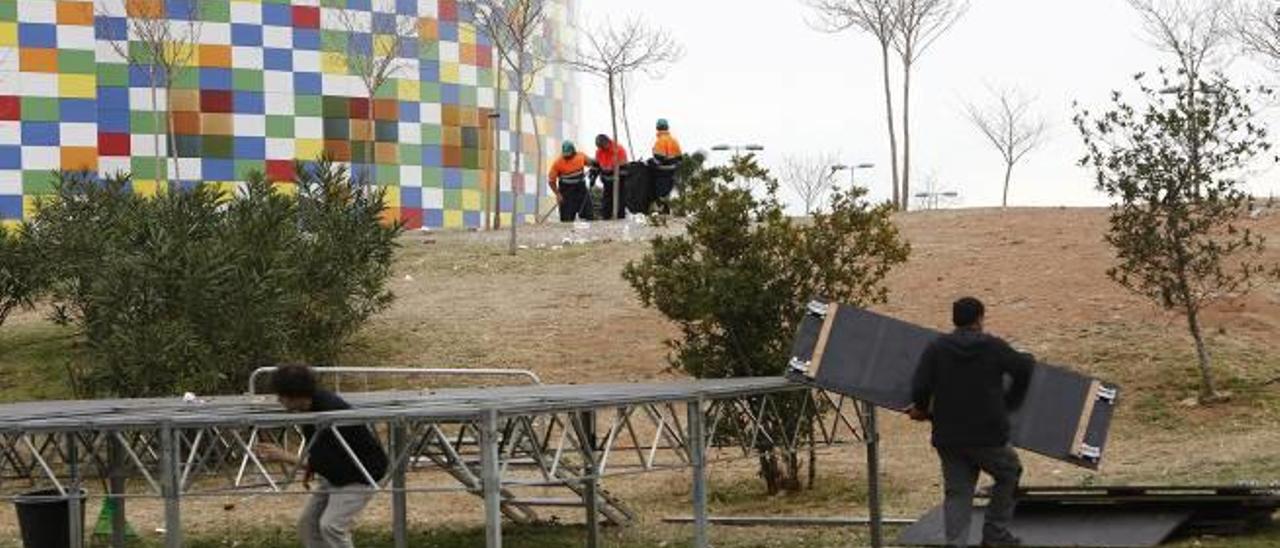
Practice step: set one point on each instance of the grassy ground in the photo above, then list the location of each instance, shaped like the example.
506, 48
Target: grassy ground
566, 314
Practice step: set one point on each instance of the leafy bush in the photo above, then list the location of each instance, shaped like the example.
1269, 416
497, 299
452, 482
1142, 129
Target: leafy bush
737, 283
191, 290
19, 271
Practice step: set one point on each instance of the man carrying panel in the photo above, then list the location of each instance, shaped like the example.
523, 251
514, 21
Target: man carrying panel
960, 386
610, 162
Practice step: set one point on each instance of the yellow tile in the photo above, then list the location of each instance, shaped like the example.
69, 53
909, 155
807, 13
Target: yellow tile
8, 34
29, 206
470, 200
409, 89
466, 33
333, 62
449, 73
77, 86
392, 197
383, 45
308, 149
10, 224
453, 219
147, 189
287, 189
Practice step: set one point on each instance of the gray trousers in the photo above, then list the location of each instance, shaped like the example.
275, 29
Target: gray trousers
960, 467
327, 518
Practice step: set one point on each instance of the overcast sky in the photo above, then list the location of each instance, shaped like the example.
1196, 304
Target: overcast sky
755, 72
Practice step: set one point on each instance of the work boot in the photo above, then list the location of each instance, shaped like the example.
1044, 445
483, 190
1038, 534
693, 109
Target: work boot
996, 536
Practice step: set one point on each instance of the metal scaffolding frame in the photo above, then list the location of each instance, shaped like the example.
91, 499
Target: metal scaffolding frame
496, 443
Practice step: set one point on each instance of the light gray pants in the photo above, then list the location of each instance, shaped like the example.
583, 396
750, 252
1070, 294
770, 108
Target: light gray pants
327, 518
960, 467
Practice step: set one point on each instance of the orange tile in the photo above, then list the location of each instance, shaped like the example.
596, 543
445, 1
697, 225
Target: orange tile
428, 29
186, 123
451, 136
216, 123
144, 8
185, 100
452, 156
338, 149
387, 153
449, 116
360, 130
75, 13
77, 158
386, 109
214, 55
467, 54
38, 60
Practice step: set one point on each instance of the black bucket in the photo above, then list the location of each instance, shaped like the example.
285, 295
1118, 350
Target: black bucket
44, 518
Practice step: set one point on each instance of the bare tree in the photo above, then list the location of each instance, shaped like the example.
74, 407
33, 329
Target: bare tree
1011, 126
919, 24
1193, 31
375, 46
514, 27
877, 18
1257, 26
167, 45
625, 87
810, 177
613, 52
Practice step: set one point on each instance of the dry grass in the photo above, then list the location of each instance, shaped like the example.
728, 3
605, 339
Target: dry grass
569, 316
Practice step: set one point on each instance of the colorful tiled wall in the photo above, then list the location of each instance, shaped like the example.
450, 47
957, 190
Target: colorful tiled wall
269, 83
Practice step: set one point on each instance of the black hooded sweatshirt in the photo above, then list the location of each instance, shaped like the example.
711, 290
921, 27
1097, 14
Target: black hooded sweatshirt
960, 381
327, 456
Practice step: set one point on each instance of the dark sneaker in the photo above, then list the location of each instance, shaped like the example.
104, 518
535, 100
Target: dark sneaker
995, 536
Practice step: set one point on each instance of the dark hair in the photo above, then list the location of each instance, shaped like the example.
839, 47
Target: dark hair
603, 140
294, 380
967, 312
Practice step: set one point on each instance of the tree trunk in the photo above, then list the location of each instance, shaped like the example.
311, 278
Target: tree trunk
172, 151
626, 116
613, 117
517, 175
906, 136
537, 177
1207, 389
370, 144
1008, 173
155, 136
893, 134
487, 221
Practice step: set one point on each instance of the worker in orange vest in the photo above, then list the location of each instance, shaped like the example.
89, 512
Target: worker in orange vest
610, 162
666, 159
568, 181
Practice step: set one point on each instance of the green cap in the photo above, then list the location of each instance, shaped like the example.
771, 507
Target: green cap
567, 148
663, 125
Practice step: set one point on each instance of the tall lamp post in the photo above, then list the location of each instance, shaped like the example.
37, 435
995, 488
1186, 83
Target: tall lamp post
737, 149
931, 199
853, 169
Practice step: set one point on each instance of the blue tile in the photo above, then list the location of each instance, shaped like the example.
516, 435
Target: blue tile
246, 35
432, 156
140, 76
452, 179
360, 5
384, 23
307, 83
111, 28
306, 39
10, 207
248, 102
251, 148
10, 157
37, 35
113, 120
410, 112
78, 110
277, 59
448, 31
182, 9
471, 219
40, 134
278, 15
429, 71
407, 7
218, 169
433, 218
410, 196
215, 78
449, 94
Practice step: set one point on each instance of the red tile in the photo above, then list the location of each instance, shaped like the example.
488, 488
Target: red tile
307, 17
280, 170
448, 10
215, 100
113, 144
10, 107
411, 217
359, 109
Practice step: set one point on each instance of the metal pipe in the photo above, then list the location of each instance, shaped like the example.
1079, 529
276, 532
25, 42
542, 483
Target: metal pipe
589, 476
697, 452
490, 478
872, 436
399, 500
418, 371
116, 487
75, 518
169, 479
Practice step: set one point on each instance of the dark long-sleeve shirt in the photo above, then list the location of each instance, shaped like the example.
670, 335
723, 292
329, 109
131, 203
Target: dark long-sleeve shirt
961, 382
330, 460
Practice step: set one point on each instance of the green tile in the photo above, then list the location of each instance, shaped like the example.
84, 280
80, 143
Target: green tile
8, 10
218, 146
333, 40
215, 11
143, 167
113, 74
187, 78
280, 126
430, 51
188, 146
337, 107
431, 92
138, 52
142, 121
432, 177
37, 181
431, 134
484, 76
71, 61
247, 80
467, 96
245, 167
388, 175
470, 158
452, 199
308, 105
40, 109
410, 154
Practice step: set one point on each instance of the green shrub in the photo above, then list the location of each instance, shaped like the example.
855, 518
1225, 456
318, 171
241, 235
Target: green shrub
193, 289
20, 279
737, 282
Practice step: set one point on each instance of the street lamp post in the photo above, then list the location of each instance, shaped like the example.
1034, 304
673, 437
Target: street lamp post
853, 168
737, 149
931, 199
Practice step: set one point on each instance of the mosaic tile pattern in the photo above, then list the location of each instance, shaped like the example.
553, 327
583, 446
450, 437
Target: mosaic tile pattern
268, 84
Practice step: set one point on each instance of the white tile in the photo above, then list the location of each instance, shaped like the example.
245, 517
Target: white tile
78, 134
106, 52
140, 98
75, 37
10, 133
410, 133
246, 13
114, 164
277, 82
10, 182
38, 11
41, 158
278, 37
246, 57
250, 125
431, 113
411, 175
306, 61
39, 84
432, 197
212, 33
144, 145
281, 149
308, 127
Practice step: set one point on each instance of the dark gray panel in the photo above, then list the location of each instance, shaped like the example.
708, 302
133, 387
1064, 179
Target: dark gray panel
1083, 527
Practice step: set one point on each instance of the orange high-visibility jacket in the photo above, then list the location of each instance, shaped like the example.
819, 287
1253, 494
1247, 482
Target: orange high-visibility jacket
666, 147
605, 157
568, 171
